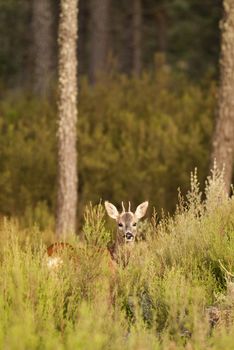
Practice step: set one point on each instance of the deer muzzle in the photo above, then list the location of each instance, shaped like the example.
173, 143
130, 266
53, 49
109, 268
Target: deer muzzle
129, 237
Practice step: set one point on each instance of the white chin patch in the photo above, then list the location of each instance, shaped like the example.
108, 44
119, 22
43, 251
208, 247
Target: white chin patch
128, 240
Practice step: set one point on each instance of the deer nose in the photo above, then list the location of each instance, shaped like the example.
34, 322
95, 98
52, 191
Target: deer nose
129, 236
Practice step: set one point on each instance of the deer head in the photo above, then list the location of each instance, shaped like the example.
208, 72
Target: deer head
127, 220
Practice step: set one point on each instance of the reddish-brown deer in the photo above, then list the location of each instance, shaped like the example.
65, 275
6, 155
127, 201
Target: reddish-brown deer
55, 253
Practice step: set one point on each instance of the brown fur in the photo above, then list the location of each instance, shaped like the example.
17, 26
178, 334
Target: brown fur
58, 247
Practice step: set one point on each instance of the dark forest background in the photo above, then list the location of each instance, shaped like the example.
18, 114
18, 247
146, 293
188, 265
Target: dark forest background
143, 125
185, 31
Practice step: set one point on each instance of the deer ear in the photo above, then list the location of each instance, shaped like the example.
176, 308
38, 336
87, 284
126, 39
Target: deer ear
111, 210
141, 210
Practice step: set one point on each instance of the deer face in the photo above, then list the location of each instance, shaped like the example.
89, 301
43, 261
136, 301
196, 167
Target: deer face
127, 220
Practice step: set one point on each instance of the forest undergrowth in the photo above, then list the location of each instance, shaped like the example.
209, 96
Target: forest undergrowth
175, 293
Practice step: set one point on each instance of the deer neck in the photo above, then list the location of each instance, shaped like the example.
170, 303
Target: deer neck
122, 251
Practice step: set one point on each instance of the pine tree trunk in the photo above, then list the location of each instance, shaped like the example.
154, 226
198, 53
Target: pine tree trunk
99, 37
83, 38
137, 32
42, 27
162, 25
67, 119
223, 141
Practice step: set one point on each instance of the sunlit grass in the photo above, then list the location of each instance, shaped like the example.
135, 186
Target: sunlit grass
159, 301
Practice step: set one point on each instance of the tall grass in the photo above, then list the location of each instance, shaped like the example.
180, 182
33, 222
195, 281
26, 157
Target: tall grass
161, 298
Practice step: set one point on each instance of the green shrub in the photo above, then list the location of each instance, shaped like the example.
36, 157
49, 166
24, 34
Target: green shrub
138, 139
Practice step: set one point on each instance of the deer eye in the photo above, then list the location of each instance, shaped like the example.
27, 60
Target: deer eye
120, 225
134, 224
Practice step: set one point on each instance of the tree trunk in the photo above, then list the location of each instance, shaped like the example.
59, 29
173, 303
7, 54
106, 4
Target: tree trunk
67, 119
161, 25
223, 141
99, 37
83, 38
137, 33
42, 26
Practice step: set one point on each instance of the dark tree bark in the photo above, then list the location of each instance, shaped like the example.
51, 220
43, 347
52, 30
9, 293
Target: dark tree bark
67, 119
123, 47
161, 25
223, 140
42, 27
99, 37
83, 38
137, 37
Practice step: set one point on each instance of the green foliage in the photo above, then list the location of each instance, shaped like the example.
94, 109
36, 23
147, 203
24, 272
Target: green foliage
94, 230
27, 157
161, 297
138, 139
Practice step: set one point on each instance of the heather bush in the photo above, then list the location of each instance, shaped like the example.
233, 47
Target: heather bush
175, 274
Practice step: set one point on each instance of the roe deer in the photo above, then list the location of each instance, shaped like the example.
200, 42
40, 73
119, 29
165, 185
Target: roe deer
124, 240
127, 230
55, 253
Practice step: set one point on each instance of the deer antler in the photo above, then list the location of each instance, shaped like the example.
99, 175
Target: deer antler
129, 206
123, 207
